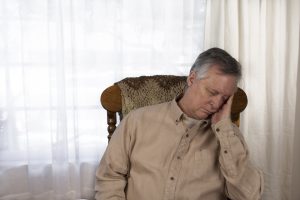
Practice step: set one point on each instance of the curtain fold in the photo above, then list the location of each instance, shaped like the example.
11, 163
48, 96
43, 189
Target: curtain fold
56, 57
296, 164
264, 36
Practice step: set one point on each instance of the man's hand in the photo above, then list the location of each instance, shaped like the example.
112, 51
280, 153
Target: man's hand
223, 112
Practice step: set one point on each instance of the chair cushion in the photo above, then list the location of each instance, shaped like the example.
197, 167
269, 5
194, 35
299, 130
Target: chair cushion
149, 90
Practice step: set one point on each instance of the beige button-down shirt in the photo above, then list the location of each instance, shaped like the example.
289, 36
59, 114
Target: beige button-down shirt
157, 153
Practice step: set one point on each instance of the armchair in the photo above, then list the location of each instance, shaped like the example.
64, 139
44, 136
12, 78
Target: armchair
132, 93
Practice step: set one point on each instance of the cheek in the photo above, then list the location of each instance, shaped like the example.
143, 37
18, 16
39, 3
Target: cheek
202, 100
199, 103
198, 99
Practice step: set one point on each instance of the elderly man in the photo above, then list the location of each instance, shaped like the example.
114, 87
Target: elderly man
184, 149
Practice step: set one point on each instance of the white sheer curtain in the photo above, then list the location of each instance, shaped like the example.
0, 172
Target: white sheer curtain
264, 36
56, 57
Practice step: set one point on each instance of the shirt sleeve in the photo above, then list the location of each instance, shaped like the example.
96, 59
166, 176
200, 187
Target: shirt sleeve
243, 181
111, 175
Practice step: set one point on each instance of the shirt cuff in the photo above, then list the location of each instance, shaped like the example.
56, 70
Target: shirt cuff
223, 128
225, 133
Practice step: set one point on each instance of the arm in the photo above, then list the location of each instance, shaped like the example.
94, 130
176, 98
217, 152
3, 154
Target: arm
243, 181
111, 175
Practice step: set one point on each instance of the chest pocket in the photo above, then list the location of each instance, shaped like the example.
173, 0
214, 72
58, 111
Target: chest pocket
206, 166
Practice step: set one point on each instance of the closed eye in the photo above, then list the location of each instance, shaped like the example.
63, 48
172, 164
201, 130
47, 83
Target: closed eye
215, 93
212, 92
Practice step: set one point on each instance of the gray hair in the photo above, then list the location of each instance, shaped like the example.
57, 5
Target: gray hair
216, 56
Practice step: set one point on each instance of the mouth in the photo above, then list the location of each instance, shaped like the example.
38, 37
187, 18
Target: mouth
206, 111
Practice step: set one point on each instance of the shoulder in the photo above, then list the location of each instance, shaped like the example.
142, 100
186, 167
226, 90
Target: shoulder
150, 111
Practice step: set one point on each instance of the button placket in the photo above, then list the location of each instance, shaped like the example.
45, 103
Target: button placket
176, 163
175, 168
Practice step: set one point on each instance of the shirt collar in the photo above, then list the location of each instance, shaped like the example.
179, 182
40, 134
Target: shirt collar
178, 115
190, 122
176, 112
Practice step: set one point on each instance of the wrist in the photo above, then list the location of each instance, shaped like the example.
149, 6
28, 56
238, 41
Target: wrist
223, 127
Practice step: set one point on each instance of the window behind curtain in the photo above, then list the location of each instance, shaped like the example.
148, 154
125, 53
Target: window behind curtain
56, 57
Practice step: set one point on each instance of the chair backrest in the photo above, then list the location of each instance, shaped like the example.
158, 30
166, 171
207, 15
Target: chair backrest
132, 93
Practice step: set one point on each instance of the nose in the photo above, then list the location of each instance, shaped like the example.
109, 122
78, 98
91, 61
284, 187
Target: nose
216, 102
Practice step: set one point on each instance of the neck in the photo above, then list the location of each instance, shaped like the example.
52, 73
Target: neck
182, 103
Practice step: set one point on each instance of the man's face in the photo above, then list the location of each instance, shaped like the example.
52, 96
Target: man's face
206, 96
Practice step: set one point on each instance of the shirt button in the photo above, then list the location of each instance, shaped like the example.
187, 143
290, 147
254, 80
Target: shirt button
217, 129
187, 135
178, 157
225, 151
172, 178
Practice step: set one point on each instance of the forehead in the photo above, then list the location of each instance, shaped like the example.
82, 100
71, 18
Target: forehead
222, 83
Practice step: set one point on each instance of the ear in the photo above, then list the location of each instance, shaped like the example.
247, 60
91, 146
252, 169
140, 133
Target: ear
191, 78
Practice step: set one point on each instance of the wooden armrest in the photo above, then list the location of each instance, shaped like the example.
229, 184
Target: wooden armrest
111, 99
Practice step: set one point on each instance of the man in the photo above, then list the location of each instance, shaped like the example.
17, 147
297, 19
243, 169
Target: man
184, 149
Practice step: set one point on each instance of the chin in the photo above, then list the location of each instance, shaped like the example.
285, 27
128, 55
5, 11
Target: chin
202, 116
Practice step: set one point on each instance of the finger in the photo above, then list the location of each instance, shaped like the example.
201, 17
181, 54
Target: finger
230, 100
228, 104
